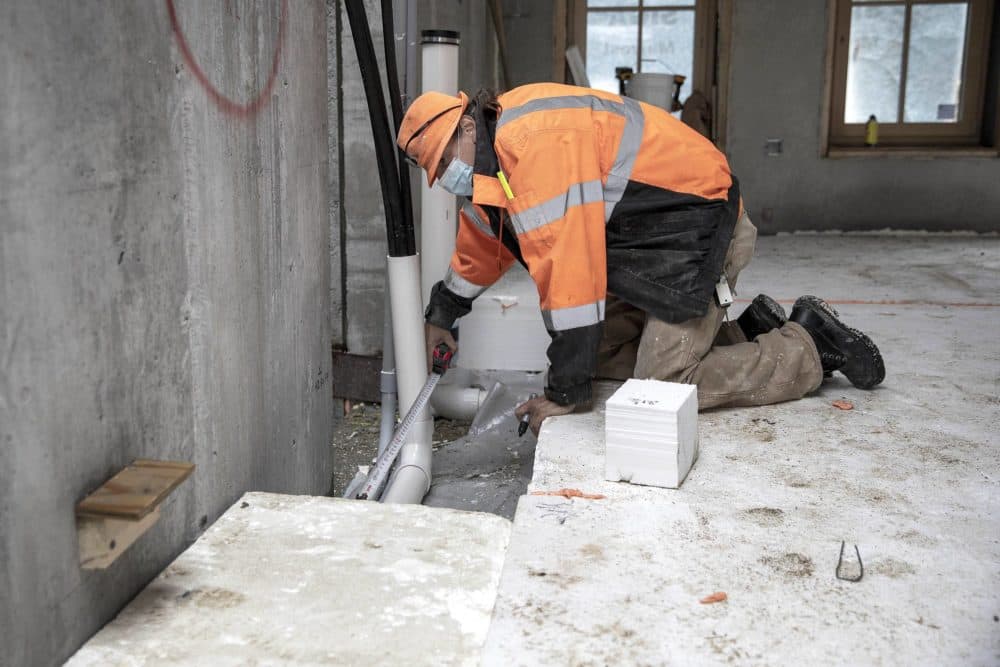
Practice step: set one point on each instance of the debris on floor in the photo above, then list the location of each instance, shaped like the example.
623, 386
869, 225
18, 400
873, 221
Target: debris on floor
570, 493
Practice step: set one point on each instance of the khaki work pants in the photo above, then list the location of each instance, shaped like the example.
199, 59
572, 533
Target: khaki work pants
708, 351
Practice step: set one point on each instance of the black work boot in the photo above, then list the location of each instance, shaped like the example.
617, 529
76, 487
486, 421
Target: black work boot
761, 316
840, 347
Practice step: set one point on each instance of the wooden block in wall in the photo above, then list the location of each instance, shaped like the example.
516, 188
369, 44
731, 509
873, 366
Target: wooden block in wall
104, 539
135, 491
114, 516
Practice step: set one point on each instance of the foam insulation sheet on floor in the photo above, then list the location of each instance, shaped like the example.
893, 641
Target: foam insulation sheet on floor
600, 582
301, 580
909, 475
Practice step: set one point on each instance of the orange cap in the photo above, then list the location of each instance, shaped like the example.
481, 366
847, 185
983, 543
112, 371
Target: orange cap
428, 126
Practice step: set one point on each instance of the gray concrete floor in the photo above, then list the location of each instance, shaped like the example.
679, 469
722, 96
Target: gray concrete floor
489, 468
910, 475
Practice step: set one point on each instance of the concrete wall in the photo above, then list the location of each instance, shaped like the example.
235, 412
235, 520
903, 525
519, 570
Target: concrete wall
164, 285
777, 79
529, 28
358, 234
336, 214
358, 231
478, 64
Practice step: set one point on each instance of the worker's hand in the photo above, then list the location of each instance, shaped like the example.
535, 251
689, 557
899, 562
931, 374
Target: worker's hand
435, 336
539, 408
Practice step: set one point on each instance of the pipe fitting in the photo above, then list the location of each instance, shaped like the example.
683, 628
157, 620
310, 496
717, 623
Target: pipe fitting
412, 478
455, 401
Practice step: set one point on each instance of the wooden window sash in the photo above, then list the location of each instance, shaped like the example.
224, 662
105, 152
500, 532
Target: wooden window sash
967, 131
711, 61
644, 7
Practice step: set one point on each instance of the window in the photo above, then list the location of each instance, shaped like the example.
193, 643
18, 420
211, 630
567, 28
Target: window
917, 66
646, 35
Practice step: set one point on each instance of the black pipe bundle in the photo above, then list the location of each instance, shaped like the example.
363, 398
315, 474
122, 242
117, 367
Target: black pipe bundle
398, 212
396, 103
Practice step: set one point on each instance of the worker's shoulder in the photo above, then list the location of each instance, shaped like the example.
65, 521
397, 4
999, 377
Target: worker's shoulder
548, 96
537, 109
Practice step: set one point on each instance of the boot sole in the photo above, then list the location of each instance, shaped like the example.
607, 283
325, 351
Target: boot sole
832, 311
770, 310
762, 315
864, 368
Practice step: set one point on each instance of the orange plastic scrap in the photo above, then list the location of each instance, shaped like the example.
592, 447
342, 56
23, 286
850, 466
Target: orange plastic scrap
843, 405
570, 493
714, 597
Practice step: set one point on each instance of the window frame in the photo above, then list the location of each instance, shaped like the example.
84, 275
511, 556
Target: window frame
712, 51
966, 132
699, 68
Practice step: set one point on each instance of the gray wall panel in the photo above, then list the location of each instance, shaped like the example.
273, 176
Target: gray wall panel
165, 285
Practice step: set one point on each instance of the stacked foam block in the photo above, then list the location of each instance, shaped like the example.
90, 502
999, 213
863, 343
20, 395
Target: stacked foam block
651, 431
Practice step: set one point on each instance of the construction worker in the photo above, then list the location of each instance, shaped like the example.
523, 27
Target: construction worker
633, 229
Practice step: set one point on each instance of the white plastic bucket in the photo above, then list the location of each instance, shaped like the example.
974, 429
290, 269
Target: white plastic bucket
652, 87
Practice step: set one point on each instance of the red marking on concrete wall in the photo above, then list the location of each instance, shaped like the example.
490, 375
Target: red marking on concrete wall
225, 104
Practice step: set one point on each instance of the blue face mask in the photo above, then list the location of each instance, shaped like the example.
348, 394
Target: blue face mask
457, 178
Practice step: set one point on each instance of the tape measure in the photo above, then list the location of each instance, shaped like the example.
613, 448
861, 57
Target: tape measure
377, 476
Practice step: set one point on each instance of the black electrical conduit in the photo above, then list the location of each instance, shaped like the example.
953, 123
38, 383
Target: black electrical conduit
399, 227
396, 103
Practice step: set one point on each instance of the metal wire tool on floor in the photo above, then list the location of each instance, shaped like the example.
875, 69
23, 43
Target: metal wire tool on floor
840, 566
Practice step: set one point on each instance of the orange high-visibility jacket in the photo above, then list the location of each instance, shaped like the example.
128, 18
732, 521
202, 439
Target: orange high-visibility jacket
605, 194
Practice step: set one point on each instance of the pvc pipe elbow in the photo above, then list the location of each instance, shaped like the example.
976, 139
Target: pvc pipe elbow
453, 401
412, 479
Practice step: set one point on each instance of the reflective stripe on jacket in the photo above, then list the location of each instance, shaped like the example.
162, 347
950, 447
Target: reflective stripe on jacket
608, 194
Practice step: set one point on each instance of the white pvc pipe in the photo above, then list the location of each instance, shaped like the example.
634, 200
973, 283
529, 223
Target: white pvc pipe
438, 221
455, 401
455, 396
387, 381
412, 478
410, 68
409, 483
